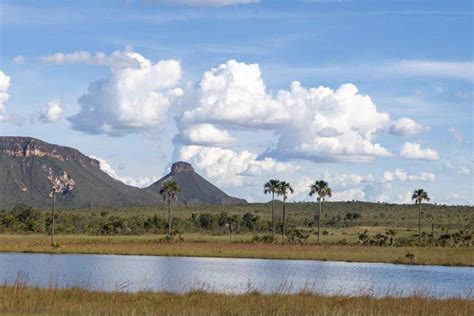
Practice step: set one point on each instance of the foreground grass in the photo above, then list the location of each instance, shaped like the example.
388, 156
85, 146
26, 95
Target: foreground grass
23, 300
217, 246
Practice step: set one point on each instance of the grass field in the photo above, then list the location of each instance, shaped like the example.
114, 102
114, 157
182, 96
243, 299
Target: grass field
23, 300
218, 246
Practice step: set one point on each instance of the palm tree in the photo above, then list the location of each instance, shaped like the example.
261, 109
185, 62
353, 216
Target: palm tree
169, 190
63, 188
419, 195
53, 192
284, 189
272, 187
322, 189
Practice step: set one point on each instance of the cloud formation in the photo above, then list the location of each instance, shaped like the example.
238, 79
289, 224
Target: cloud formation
52, 112
4, 96
414, 151
406, 126
456, 134
318, 124
401, 175
118, 59
206, 135
228, 167
131, 99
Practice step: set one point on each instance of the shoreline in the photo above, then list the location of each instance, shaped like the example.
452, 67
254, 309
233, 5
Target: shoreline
21, 299
151, 246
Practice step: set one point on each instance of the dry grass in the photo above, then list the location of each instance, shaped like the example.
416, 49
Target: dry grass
23, 300
219, 247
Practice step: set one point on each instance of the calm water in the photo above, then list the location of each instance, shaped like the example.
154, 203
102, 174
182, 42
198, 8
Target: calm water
182, 274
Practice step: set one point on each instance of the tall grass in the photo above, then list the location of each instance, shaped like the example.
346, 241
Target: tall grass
21, 299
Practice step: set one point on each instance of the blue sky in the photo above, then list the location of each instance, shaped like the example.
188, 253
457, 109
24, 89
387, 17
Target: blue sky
375, 97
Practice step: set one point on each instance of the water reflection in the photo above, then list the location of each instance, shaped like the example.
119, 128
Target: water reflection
182, 274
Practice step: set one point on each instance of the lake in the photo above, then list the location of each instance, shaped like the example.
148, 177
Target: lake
183, 274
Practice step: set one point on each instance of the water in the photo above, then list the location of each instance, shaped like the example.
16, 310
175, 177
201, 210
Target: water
183, 274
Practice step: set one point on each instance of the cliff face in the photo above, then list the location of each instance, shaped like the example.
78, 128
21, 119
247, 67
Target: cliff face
23, 147
31, 169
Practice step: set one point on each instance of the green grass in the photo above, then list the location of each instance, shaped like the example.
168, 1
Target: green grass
198, 245
23, 300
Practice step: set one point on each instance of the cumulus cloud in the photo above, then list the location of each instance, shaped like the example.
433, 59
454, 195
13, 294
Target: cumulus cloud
52, 112
414, 151
131, 99
4, 96
400, 175
118, 59
206, 135
317, 124
140, 182
228, 167
456, 134
349, 195
18, 60
406, 127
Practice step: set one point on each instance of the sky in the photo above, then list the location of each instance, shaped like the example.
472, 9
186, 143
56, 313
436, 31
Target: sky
374, 97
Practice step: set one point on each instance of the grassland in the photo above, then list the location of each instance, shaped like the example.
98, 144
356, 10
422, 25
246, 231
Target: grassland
23, 300
199, 245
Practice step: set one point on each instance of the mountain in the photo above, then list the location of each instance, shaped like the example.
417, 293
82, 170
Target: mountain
194, 188
29, 168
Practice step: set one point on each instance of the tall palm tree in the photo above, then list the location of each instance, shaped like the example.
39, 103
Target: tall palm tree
321, 189
53, 192
272, 187
419, 195
65, 187
169, 190
284, 189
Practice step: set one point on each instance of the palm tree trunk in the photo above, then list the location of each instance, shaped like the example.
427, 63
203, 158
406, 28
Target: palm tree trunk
169, 217
283, 229
273, 214
52, 218
319, 220
419, 223
230, 232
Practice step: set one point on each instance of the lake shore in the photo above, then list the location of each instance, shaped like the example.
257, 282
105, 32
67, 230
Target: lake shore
24, 300
209, 246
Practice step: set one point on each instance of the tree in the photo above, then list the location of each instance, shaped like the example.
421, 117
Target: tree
322, 190
169, 190
272, 187
284, 189
64, 187
232, 223
419, 195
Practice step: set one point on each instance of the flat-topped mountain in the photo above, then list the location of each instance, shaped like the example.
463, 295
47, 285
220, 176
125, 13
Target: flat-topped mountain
194, 188
30, 168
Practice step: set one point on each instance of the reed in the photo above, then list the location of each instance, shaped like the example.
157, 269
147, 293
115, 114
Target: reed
20, 299
212, 246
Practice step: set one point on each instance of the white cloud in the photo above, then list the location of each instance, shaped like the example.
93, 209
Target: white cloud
118, 59
206, 135
456, 134
228, 167
406, 127
313, 123
432, 68
404, 198
349, 195
18, 60
140, 182
208, 2
414, 151
234, 94
4, 96
130, 99
459, 168
400, 175
51, 112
